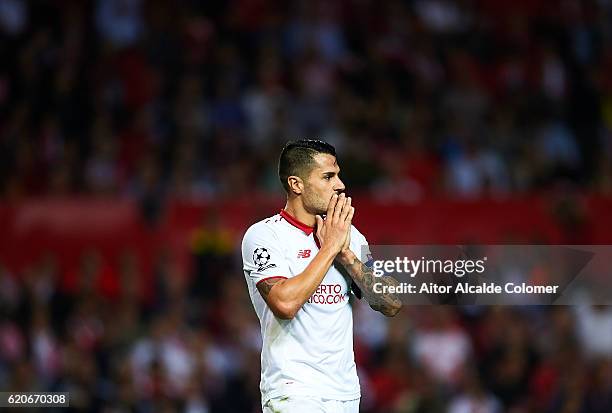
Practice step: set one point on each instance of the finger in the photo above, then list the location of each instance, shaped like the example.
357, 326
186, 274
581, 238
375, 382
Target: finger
347, 239
345, 210
332, 204
339, 206
349, 217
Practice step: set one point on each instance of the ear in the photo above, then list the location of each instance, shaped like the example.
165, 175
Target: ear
296, 185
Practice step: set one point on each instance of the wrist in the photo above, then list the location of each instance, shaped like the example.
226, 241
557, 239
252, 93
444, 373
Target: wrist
329, 251
347, 257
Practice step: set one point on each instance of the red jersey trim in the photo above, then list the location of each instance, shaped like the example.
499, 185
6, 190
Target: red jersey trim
269, 278
307, 229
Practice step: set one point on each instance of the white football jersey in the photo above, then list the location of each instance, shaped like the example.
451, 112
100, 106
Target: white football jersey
312, 354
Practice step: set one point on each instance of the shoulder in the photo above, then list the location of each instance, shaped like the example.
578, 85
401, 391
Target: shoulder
357, 235
266, 229
360, 245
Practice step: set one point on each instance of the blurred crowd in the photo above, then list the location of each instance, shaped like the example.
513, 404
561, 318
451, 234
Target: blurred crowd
183, 343
157, 99
423, 98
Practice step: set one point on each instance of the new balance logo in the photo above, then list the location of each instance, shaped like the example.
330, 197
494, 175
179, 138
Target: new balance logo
303, 254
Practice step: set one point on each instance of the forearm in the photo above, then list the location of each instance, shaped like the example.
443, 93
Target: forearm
290, 295
387, 303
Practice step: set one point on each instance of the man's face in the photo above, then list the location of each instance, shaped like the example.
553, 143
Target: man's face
321, 184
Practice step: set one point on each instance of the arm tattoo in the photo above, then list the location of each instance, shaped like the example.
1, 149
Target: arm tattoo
387, 303
266, 285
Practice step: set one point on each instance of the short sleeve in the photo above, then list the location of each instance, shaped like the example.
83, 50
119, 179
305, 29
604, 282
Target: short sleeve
262, 255
360, 247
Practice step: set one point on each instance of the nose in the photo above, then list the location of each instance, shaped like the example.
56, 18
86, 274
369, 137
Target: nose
339, 187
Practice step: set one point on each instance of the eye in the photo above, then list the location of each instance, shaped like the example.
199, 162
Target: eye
327, 178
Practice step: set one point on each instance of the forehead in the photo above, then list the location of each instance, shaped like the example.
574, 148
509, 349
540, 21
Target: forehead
325, 162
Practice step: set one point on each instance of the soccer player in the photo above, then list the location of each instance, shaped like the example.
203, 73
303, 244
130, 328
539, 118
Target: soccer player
299, 266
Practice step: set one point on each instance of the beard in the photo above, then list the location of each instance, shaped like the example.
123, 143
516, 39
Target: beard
314, 203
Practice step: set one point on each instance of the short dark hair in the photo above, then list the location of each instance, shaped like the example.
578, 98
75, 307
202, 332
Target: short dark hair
297, 158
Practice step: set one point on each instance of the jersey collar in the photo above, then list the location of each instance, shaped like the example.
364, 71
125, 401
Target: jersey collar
307, 229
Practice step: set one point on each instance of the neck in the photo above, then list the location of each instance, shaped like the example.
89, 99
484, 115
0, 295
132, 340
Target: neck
295, 208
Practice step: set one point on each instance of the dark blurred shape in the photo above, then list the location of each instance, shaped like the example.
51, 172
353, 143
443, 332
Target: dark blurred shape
147, 99
454, 120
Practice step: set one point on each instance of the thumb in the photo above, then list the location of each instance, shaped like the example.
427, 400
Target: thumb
319, 222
